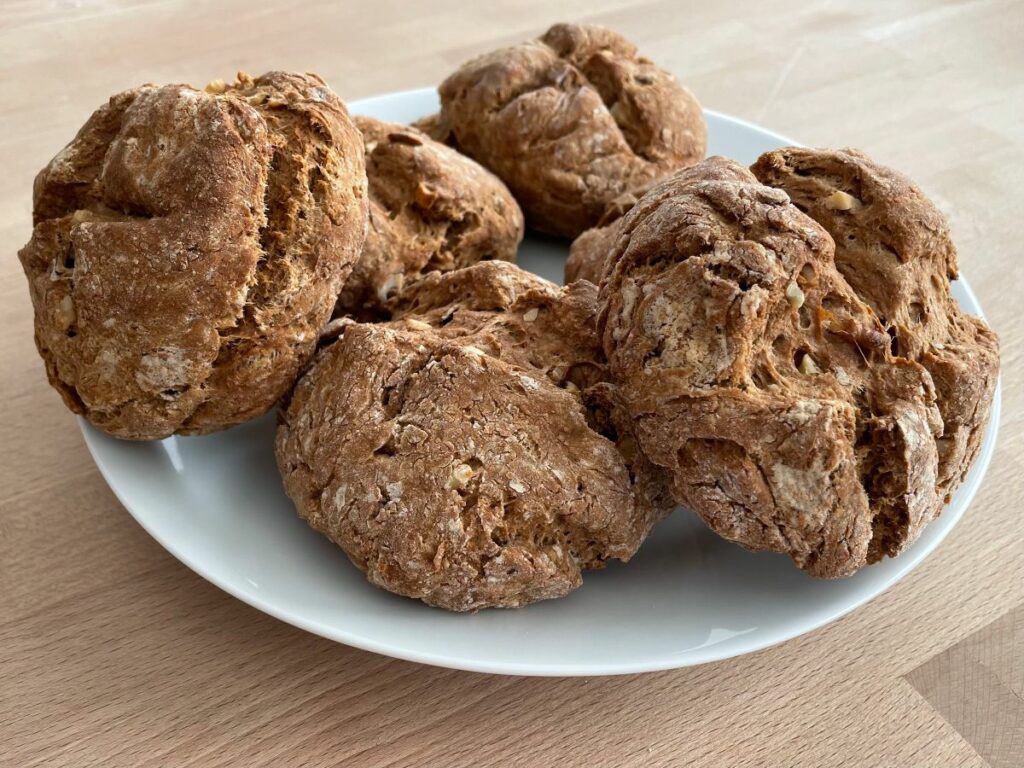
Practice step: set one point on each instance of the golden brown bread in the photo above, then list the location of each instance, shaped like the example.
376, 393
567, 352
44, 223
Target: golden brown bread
758, 378
188, 247
431, 208
448, 451
569, 122
894, 248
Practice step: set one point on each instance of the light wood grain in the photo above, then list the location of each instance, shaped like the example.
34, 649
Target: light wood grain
978, 686
112, 653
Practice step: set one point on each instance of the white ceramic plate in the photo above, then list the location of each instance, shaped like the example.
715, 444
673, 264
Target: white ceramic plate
688, 597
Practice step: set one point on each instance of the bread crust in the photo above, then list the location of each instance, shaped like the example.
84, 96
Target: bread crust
431, 208
569, 122
188, 246
760, 381
588, 252
449, 453
894, 248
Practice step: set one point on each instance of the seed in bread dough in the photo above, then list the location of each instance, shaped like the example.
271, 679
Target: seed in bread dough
795, 295
842, 201
461, 476
807, 365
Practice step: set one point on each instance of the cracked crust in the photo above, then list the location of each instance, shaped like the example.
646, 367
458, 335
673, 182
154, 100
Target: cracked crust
512, 315
449, 453
431, 208
588, 252
894, 248
569, 122
188, 246
760, 381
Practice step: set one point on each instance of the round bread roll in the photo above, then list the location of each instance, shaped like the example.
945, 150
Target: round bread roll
570, 122
894, 248
588, 254
431, 208
189, 246
760, 381
448, 452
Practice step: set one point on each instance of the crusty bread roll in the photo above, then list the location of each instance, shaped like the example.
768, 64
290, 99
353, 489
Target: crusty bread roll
569, 122
449, 452
759, 379
188, 247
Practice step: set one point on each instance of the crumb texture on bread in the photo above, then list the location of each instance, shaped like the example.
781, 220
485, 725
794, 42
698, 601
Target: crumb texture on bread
188, 246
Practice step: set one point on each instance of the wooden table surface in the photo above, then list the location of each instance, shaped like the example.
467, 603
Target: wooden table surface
112, 653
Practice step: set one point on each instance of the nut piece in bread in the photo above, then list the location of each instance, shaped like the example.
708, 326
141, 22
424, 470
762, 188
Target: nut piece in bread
431, 208
894, 248
189, 245
760, 381
569, 122
449, 453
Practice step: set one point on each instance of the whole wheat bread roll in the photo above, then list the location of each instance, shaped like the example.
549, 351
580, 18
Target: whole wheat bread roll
569, 122
189, 246
450, 453
760, 380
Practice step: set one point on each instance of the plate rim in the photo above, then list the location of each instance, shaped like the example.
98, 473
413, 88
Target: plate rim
907, 561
